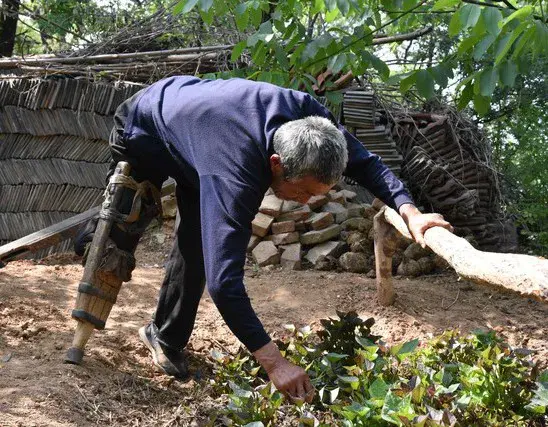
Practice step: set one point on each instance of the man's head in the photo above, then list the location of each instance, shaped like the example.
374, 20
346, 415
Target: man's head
311, 156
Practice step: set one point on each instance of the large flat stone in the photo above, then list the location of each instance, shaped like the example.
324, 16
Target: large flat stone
284, 238
299, 214
339, 211
320, 236
320, 220
271, 206
283, 227
291, 257
265, 253
261, 224
354, 210
253, 242
325, 249
360, 224
316, 202
356, 262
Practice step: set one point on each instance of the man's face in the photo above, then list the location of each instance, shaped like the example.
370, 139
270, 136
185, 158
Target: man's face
299, 190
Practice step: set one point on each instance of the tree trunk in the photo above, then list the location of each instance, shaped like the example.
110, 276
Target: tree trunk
8, 21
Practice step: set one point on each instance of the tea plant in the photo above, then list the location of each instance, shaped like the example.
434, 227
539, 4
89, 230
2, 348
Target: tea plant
453, 380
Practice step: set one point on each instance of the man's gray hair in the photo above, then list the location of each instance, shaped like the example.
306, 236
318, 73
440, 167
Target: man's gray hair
311, 146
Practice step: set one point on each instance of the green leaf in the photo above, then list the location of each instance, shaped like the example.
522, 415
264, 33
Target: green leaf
508, 72
377, 63
455, 24
444, 4
409, 346
237, 50
482, 46
504, 48
343, 6
491, 16
481, 104
205, 5
184, 6
241, 16
395, 408
337, 62
378, 389
524, 41
520, 14
425, 84
334, 97
469, 15
468, 43
466, 96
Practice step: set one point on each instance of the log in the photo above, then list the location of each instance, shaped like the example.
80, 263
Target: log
523, 274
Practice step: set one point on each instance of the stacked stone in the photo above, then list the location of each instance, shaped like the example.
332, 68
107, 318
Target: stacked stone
290, 234
330, 232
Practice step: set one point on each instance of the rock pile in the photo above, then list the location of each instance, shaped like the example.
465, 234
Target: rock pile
330, 232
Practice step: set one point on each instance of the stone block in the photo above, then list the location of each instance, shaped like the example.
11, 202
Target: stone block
348, 195
271, 206
261, 224
354, 210
290, 205
336, 197
360, 224
316, 202
320, 236
291, 257
339, 211
331, 248
416, 251
253, 242
283, 227
355, 262
320, 220
284, 238
265, 253
299, 214
300, 226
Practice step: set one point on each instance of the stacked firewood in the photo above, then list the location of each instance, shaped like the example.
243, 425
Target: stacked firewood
446, 175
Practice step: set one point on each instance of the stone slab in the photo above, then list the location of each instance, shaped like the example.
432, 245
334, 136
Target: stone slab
283, 227
291, 257
316, 202
265, 253
284, 238
271, 206
320, 220
320, 236
325, 249
339, 211
299, 214
253, 242
261, 224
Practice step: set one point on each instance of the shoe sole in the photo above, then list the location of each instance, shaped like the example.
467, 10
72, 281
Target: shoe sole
144, 339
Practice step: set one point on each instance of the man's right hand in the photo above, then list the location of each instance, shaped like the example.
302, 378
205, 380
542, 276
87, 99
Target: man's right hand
289, 379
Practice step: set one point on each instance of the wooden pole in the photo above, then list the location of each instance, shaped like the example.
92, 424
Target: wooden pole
523, 274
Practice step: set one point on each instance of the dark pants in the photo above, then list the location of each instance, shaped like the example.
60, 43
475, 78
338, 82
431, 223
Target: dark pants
184, 279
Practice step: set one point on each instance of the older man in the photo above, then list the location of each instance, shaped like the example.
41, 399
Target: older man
225, 142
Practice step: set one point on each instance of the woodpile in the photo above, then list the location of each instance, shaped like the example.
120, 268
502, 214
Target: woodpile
53, 150
446, 174
361, 116
330, 232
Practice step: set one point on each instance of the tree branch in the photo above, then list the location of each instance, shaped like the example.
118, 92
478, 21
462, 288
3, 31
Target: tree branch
510, 7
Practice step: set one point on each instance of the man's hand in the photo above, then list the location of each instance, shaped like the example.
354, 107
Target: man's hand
418, 222
289, 379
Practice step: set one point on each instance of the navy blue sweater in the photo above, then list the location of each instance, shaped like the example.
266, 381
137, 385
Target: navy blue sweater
222, 131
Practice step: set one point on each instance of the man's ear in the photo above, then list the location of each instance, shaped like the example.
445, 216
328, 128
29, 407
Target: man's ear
276, 166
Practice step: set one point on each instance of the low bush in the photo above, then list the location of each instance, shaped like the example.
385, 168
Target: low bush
452, 380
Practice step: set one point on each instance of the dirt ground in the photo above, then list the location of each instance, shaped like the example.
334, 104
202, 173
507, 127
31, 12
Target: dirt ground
118, 385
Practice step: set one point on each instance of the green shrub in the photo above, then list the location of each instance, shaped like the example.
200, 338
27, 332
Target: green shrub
453, 380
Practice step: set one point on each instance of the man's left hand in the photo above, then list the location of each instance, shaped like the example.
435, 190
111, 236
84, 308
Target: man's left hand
418, 222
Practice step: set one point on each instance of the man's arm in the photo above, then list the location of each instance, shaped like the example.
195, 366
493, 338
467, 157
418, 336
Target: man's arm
227, 209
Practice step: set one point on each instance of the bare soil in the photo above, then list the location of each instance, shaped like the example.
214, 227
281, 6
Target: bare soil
118, 385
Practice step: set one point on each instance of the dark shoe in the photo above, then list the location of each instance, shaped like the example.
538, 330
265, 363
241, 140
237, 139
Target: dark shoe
171, 361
